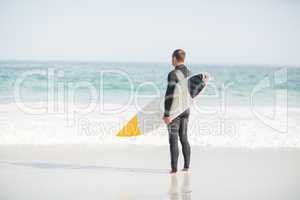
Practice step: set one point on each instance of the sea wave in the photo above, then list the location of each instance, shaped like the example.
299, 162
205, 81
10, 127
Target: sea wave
239, 126
237, 81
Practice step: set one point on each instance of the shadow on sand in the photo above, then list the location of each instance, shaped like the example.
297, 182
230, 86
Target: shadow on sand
45, 165
176, 191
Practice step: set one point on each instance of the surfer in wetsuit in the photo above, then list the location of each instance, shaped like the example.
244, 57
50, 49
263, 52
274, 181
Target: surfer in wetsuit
178, 126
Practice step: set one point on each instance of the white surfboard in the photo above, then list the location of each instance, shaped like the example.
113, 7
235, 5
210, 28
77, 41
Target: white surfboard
149, 118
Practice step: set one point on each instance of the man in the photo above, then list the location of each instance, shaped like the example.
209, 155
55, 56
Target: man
178, 126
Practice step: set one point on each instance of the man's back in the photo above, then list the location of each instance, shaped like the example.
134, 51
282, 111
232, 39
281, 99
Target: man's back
173, 78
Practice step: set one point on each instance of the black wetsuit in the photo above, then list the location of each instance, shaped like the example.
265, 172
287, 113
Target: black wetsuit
179, 125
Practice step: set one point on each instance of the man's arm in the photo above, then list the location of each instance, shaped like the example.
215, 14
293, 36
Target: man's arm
169, 93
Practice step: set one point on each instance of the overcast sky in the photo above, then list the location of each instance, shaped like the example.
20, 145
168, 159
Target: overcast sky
211, 31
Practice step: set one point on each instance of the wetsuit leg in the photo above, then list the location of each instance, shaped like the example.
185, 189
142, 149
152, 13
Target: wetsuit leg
186, 149
173, 129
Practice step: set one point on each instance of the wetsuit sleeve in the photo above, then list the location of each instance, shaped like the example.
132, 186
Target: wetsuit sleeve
169, 93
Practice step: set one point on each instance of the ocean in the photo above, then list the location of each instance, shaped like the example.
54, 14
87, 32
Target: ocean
47, 102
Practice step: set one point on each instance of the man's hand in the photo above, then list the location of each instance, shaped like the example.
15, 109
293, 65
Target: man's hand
206, 77
167, 120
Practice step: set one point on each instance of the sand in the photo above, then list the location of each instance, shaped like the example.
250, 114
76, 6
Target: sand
141, 172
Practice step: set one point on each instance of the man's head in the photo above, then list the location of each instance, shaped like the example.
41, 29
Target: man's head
178, 57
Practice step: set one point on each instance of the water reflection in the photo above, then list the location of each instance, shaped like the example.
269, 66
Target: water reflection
183, 192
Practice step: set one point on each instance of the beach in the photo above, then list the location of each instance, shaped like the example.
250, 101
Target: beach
58, 129
141, 172
92, 97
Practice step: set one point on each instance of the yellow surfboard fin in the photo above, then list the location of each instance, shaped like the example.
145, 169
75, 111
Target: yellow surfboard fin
130, 129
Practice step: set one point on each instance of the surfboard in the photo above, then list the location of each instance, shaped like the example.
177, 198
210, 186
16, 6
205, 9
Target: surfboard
149, 118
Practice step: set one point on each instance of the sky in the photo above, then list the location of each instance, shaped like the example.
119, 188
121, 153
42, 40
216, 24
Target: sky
211, 31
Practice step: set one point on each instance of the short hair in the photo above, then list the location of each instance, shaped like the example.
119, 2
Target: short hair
179, 54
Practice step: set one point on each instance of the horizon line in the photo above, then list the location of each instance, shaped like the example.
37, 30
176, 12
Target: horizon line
145, 62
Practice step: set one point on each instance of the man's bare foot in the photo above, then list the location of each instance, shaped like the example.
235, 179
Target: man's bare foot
173, 171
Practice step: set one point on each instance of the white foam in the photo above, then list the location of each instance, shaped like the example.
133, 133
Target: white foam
237, 127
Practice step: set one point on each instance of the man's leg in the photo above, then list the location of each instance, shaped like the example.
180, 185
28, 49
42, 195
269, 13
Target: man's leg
186, 149
173, 129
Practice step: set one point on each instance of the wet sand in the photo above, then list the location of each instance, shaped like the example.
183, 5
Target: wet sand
141, 172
